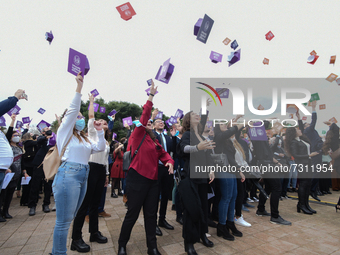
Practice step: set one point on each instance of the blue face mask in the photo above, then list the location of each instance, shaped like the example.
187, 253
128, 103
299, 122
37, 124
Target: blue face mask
177, 133
80, 124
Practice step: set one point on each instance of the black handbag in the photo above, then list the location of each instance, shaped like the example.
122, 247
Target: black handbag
127, 157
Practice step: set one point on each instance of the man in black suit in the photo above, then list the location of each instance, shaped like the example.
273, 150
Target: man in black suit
165, 180
45, 142
316, 145
264, 157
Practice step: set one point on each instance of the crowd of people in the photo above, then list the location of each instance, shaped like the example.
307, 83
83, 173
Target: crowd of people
148, 168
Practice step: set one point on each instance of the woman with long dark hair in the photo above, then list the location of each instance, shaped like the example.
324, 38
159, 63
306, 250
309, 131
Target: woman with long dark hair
29, 149
195, 151
142, 185
228, 182
298, 146
333, 142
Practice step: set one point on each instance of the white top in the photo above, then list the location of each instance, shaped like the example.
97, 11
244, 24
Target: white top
101, 157
76, 151
6, 153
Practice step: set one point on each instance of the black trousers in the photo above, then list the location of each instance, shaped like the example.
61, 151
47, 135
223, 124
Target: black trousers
303, 191
164, 188
95, 186
37, 176
141, 192
26, 188
6, 198
239, 198
192, 231
272, 188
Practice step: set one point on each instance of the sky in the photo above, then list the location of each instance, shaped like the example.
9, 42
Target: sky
123, 55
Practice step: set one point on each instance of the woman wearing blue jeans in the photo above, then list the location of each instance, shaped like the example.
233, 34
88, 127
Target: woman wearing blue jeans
70, 183
228, 182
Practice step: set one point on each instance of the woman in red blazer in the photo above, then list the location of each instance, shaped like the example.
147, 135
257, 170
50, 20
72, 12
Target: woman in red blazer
142, 186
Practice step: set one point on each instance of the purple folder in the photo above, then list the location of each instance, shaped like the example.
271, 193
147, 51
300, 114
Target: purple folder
2, 121
77, 62
19, 124
94, 93
205, 28
209, 124
215, 57
95, 106
159, 115
26, 120
148, 91
197, 26
102, 109
49, 36
42, 124
234, 57
15, 110
165, 72
172, 120
113, 112
127, 120
114, 136
149, 82
234, 45
257, 133
223, 92
41, 111
179, 114
167, 122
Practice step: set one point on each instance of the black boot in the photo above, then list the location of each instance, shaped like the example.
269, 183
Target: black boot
223, 231
120, 193
121, 250
303, 208
153, 251
6, 215
2, 219
232, 227
113, 194
308, 207
32, 211
206, 241
189, 248
80, 246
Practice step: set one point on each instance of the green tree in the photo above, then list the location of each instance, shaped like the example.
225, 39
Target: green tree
124, 109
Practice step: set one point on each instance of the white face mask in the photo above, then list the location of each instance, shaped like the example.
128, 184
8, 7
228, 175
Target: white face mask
16, 139
232, 138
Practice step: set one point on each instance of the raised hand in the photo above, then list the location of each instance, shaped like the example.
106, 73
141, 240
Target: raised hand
20, 94
91, 98
206, 145
98, 125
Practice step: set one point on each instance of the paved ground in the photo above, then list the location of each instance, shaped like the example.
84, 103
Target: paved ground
317, 234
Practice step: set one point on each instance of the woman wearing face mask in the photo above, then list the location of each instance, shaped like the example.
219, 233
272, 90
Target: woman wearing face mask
70, 183
13, 138
298, 146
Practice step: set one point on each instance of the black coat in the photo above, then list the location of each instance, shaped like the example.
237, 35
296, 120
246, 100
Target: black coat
276, 149
42, 150
30, 148
300, 152
335, 142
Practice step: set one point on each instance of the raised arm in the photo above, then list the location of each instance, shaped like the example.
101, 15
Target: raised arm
10, 102
65, 130
313, 123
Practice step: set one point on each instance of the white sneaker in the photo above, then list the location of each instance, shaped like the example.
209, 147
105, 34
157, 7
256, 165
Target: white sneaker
255, 199
250, 200
240, 221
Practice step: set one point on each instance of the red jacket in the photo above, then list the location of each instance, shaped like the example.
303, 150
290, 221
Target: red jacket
146, 160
